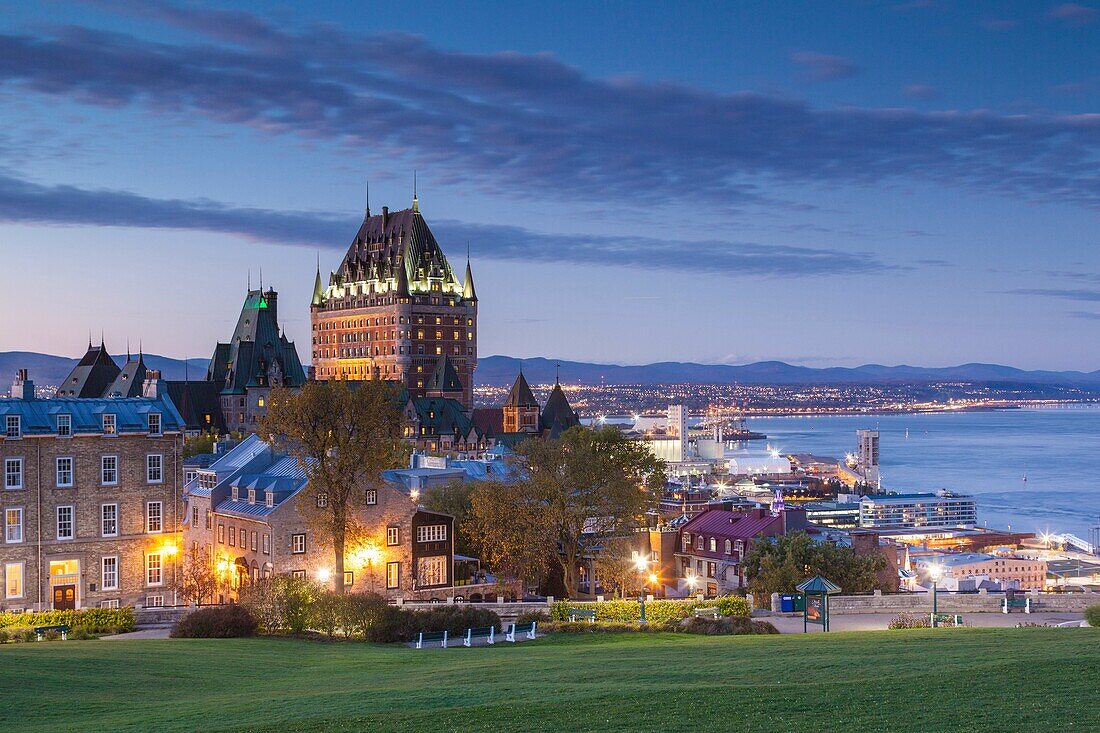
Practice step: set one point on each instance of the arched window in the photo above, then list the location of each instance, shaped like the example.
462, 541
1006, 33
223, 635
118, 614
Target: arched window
729, 546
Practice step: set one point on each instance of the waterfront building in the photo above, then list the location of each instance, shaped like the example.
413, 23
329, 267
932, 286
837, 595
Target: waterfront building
91, 497
714, 542
244, 518
940, 509
395, 307
968, 570
867, 456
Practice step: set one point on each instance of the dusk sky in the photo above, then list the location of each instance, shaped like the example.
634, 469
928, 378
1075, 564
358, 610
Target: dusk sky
822, 183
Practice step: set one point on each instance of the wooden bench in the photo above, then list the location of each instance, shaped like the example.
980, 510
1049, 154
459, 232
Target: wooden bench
482, 632
945, 619
710, 612
430, 638
527, 630
576, 614
40, 631
1009, 603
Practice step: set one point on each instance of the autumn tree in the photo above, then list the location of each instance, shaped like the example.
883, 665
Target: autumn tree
576, 491
344, 437
200, 581
617, 566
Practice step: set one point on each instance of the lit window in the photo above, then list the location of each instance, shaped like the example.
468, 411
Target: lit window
322, 500
393, 536
349, 578
713, 545
109, 426
431, 571
13, 580
13, 526
298, 544
154, 571
232, 536
393, 575
267, 544
431, 533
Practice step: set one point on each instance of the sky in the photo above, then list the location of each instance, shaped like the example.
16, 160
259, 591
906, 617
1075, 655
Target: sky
820, 183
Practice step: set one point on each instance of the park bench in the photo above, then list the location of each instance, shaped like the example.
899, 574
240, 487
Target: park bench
40, 631
576, 614
946, 619
710, 612
527, 630
430, 638
482, 632
1009, 603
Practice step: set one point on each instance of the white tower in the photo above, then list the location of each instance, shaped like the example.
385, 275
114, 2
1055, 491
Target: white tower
868, 456
677, 428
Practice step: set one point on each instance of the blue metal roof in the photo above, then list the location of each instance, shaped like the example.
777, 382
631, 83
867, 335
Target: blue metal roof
39, 417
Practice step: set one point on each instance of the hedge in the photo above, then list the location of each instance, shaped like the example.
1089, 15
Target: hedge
657, 611
1092, 615
224, 622
96, 620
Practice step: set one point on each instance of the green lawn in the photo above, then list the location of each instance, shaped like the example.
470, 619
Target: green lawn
947, 680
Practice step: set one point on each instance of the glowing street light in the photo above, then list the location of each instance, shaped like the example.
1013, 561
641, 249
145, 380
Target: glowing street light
935, 570
642, 564
324, 574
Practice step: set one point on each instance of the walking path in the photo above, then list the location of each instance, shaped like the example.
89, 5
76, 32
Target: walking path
876, 621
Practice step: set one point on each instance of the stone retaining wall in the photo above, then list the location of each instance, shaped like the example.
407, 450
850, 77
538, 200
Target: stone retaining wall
958, 603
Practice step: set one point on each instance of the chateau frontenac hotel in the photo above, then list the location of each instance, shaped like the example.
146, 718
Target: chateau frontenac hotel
394, 309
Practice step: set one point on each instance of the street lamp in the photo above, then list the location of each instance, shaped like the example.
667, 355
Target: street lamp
642, 564
934, 572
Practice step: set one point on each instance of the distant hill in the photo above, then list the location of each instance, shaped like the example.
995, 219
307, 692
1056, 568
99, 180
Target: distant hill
502, 370
48, 369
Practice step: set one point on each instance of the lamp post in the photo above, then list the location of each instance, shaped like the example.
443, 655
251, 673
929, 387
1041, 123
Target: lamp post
934, 572
642, 564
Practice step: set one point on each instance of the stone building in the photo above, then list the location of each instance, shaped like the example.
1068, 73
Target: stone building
244, 517
395, 307
91, 495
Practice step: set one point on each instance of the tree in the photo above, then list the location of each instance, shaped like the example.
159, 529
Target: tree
200, 582
508, 528
344, 439
454, 499
779, 564
201, 443
577, 490
617, 566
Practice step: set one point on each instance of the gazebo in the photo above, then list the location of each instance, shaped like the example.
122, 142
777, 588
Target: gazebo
816, 609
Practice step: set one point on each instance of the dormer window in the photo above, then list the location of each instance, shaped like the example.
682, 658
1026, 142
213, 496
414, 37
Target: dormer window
13, 426
109, 424
64, 425
252, 496
236, 493
270, 499
154, 423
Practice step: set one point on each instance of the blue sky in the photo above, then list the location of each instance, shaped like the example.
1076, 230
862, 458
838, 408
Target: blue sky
823, 183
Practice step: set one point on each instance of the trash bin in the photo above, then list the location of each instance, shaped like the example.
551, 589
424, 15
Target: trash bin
799, 600
786, 604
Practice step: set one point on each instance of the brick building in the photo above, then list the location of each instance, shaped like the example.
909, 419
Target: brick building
244, 517
713, 543
394, 307
91, 495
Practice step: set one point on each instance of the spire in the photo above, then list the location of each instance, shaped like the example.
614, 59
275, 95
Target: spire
557, 374
468, 292
127, 349
366, 198
402, 280
318, 289
416, 201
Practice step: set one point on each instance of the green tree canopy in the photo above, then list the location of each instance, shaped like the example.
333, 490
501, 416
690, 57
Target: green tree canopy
779, 564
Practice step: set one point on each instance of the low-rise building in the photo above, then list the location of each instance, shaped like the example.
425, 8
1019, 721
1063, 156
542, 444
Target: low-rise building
91, 498
939, 509
967, 570
245, 518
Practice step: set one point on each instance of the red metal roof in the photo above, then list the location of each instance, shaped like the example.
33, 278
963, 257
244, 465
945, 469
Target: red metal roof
734, 525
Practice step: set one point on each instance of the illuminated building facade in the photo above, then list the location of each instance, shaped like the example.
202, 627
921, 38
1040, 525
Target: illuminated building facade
394, 308
91, 499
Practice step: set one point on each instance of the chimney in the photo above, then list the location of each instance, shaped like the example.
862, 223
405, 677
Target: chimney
385, 217
22, 388
150, 388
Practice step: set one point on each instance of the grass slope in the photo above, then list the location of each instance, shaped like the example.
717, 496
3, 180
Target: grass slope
965, 679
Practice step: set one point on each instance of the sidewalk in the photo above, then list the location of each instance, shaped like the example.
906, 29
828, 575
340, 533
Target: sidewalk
878, 621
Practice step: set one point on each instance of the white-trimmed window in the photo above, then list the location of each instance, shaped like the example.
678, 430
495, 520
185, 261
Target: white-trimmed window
64, 425
154, 517
297, 543
221, 533
372, 497
154, 570
13, 426
113, 603
109, 574
298, 574
64, 472
728, 547
154, 423
393, 536
232, 536
393, 575
110, 425
13, 473
322, 500
154, 601
349, 578
431, 571
253, 543
13, 525
108, 470
713, 545
266, 544
13, 580
65, 529
431, 533
154, 468
108, 520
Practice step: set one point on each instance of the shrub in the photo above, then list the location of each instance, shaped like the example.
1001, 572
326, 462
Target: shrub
725, 626
4, 636
327, 612
907, 621
282, 603
1092, 615
216, 623
733, 606
94, 620
27, 635
541, 617
392, 624
607, 627
363, 611
655, 611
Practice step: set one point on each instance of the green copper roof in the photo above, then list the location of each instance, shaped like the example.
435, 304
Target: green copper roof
818, 584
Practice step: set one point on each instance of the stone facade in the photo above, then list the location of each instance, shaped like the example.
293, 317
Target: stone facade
90, 515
